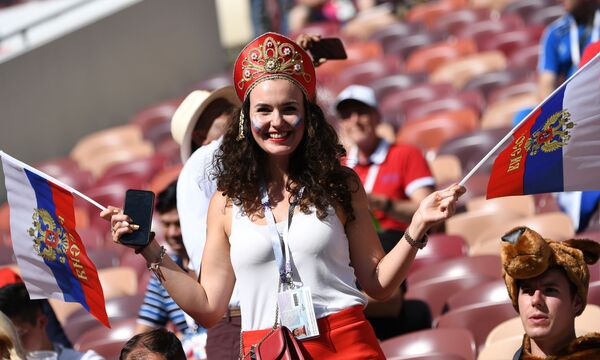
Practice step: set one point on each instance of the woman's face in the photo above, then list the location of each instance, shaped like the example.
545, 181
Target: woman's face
277, 116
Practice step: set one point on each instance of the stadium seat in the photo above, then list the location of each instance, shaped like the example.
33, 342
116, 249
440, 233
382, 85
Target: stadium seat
501, 113
432, 130
501, 349
486, 83
397, 100
431, 342
104, 257
525, 58
470, 99
472, 224
367, 71
488, 266
400, 29
446, 168
510, 41
118, 281
429, 12
142, 169
490, 292
526, 7
482, 30
523, 205
430, 57
396, 82
470, 148
435, 292
452, 21
164, 177
404, 46
546, 15
115, 136
479, 319
594, 291
439, 247
515, 88
155, 114
99, 335
460, 71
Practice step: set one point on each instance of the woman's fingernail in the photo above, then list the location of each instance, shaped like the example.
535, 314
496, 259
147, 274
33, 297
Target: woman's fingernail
134, 226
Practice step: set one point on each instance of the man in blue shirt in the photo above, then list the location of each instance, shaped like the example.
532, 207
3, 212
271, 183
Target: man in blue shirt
563, 42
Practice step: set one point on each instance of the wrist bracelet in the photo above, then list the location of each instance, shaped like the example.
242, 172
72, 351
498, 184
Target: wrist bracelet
154, 267
414, 243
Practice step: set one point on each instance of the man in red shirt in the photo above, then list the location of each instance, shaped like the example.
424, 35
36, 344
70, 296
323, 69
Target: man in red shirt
395, 176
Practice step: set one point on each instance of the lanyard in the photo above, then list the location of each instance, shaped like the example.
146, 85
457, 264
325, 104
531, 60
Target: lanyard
574, 37
282, 258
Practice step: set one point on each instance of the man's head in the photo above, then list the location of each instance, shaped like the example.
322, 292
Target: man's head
27, 315
202, 117
546, 280
158, 344
166, 206
580, 8
357, 109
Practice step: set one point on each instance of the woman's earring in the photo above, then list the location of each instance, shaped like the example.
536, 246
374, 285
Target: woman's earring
241, 136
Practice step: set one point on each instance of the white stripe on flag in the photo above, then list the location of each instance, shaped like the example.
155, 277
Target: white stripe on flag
38, 277
581, 155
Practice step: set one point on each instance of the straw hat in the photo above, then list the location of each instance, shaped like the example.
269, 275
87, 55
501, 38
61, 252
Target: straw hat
187, 114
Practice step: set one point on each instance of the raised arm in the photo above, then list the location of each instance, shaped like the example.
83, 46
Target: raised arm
380, 274
205, 301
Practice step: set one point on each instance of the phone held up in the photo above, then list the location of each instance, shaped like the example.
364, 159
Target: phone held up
327, 48
139, 206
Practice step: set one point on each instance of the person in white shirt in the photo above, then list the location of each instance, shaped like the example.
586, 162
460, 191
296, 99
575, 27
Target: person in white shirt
198, 125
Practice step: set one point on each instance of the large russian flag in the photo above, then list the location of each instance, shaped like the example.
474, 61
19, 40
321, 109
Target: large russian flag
557, 147
50, 254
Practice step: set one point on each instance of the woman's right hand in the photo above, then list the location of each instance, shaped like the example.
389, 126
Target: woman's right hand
120, 223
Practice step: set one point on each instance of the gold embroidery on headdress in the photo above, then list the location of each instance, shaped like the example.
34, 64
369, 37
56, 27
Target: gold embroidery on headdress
272, 57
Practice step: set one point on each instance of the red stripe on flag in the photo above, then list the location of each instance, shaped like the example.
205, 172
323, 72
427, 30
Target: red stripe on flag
509, 167
82, 267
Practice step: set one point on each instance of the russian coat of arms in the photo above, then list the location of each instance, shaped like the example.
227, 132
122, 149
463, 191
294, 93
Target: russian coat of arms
553, 135
49, 238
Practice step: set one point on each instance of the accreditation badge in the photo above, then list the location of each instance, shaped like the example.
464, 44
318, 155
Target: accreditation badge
297, 312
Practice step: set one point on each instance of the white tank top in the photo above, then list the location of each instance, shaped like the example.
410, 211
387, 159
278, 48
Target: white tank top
320, 260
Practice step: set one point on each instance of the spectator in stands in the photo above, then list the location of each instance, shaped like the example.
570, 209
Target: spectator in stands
282, 140
54, 329
158, 309
548, 282
559, 54
30, 321
10, 344
158, 344
209, 111
396, 178
270, 15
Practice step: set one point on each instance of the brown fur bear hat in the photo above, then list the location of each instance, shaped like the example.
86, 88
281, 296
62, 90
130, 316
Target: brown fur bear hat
525, 254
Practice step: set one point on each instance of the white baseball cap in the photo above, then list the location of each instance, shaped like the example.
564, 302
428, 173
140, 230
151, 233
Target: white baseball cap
361, 93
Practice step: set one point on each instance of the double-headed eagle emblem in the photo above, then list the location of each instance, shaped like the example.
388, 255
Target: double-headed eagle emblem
553, 135
49, 238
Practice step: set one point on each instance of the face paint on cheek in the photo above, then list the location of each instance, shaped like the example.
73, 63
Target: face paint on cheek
256, 126
299, 121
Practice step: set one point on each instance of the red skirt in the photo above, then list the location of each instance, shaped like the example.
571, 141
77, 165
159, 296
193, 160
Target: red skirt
344, 335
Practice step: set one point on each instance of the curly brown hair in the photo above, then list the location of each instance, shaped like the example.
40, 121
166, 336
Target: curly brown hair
315, 165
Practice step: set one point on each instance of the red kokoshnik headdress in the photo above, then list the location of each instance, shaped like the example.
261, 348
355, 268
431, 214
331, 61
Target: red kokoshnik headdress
273, 56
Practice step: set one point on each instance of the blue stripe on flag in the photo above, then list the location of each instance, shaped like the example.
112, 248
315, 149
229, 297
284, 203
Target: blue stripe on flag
68, 283
543, 171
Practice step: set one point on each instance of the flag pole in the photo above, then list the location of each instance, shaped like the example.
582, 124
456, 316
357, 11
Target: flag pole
514, 129
48, 177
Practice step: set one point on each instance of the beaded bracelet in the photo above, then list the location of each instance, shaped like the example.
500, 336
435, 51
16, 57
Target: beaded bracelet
155, 266
414, 243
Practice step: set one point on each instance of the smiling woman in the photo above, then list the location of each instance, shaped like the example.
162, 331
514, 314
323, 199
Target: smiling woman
281, 161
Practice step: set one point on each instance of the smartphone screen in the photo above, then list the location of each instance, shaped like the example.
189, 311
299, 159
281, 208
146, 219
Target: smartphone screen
139, 206
327, 48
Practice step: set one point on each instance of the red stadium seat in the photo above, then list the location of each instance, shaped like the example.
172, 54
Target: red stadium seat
431, 344
490, 292
429, 57
392, 83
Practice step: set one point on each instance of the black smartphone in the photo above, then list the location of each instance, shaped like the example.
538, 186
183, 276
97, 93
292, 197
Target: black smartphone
327, 48
139, 206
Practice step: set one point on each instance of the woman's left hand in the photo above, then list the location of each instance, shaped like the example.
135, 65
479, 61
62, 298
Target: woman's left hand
438, 206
